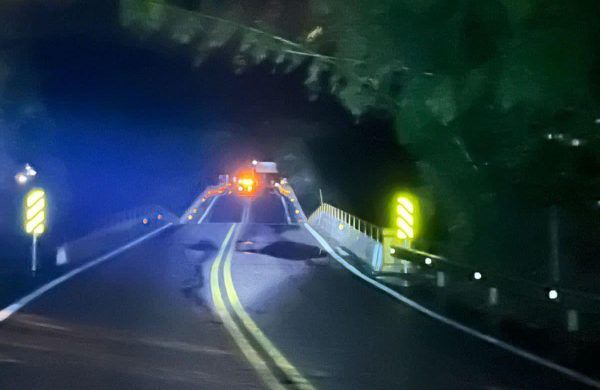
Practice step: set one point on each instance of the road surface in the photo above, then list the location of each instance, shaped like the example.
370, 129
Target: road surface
243, 299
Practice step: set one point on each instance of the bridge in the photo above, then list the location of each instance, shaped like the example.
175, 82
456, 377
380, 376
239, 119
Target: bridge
244, 292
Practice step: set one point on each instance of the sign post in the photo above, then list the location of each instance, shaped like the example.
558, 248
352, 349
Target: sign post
35, 220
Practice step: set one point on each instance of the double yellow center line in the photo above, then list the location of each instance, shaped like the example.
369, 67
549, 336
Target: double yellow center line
280, 374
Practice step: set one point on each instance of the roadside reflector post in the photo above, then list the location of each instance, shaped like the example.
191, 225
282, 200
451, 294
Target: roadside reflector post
35, 220
440, 279
572, 320
493, 296
34, 254
405, 217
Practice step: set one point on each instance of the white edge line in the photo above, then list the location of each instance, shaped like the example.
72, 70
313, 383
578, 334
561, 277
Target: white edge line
286, 210
208, 209
341, 251
499, 343
18, 305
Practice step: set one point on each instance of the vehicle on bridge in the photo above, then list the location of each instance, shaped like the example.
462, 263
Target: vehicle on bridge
267, 172
246, 182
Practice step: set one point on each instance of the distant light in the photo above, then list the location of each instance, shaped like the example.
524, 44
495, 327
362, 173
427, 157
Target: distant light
292, 200
549, 136
597, 121
428, 260
145, 221
21, 178
240, 188
254, 162
29, 171
195, 210
341, 226
575, 142
276, 184
190, 217
159, 217
392, 251
552, 294
297, 211
477, 275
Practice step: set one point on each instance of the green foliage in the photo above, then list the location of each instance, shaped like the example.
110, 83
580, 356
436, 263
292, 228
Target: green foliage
497, 98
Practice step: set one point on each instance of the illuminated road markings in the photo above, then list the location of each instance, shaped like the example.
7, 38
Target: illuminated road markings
208, 209
482, 336
288, 369
18, 305
248, 325
251, 355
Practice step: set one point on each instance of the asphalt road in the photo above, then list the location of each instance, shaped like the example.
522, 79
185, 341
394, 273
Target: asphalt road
242, 300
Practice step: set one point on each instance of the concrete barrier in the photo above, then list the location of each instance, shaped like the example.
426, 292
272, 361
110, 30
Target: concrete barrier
347, 238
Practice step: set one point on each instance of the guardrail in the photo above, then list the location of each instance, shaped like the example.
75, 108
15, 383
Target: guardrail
446, 272
489, 287
143, 214
208, 192
115, 230
286, 190
368, 229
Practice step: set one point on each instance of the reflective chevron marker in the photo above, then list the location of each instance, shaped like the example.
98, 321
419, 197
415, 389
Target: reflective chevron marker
35, 219
405, 217
35, 212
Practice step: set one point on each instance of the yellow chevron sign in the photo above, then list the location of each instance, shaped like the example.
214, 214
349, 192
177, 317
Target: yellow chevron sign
35, 212
406, 210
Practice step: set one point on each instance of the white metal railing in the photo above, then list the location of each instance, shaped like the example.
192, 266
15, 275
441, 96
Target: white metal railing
451, 274
367, 228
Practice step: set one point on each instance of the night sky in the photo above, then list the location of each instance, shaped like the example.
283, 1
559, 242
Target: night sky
128, 122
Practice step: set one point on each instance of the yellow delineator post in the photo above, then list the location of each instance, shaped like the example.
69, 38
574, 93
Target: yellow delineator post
405, 218
403, 232
35, 219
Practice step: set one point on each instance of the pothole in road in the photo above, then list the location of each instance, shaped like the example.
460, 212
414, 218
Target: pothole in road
288, 250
